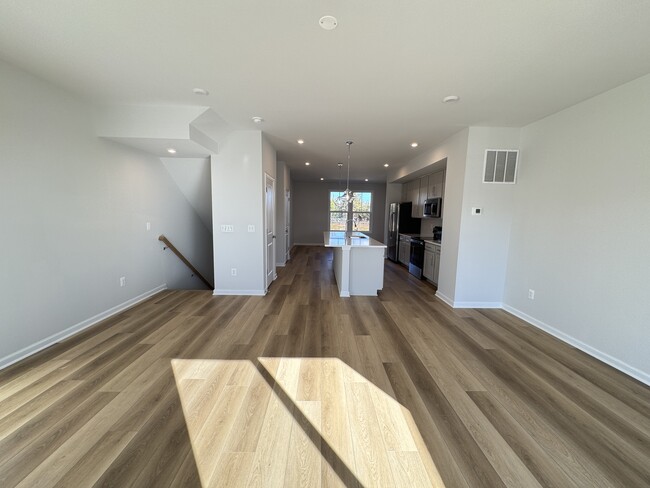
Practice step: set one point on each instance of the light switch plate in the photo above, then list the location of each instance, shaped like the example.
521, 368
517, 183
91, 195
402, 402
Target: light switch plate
226, 228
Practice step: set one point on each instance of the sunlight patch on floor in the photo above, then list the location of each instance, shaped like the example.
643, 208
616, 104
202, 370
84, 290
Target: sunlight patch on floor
298, 422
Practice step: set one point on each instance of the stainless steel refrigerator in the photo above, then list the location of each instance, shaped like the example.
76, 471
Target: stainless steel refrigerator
400, 221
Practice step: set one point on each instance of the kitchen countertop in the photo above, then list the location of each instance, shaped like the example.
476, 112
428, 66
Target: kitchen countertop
423, 237
351, 239
430, 240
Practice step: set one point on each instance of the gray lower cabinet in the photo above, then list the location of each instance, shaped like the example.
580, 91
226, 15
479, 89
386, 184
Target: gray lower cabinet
427, 270
431, 262
436, 264
404, 251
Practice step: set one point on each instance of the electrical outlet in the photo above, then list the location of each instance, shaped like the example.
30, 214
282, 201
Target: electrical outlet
233, 271
251, 228
227, 228
123, 281
531, 294
148, 226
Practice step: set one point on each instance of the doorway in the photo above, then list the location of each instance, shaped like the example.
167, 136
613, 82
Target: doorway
269, 228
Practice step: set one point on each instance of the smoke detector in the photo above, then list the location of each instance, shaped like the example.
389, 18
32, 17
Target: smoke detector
328, 22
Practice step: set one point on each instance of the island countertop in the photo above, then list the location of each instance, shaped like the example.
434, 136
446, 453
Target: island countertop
350, 239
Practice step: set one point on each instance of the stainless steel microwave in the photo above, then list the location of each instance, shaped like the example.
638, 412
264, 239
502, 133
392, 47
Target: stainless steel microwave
432, 207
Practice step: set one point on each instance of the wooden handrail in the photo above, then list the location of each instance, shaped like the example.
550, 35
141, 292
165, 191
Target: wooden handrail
165, 241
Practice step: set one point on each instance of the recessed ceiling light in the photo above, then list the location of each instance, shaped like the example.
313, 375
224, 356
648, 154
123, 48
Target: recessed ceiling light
307, 163
414, 144
258, 120
200, 91
301, 141
171, 150
386, 165
450, 98
322, 179
328, 22
366, 179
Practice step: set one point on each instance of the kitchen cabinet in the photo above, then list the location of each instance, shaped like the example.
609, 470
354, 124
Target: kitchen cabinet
417, 191
424, 182
427, 269
431, 268
414, 196
404, 251
435, 184
436, 264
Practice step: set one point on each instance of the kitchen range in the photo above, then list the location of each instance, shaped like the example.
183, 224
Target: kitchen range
424, 255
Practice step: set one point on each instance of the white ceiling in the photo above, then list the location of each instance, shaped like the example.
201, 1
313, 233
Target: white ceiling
378, 79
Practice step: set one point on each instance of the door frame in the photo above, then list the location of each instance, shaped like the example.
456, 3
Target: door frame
269, 181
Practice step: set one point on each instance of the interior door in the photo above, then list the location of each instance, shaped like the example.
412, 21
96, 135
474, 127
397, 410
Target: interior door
269, 227
287, 240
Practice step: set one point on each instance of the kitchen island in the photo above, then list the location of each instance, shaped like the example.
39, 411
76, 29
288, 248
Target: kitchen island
358, 262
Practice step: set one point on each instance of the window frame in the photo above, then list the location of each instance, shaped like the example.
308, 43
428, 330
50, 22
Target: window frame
350, 213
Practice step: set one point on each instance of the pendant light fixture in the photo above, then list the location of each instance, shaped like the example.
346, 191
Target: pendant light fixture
349, 195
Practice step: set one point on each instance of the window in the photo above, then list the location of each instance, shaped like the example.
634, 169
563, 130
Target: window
350, 217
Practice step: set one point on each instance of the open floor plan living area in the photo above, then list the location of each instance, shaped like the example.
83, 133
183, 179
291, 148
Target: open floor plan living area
304, 388
325, 244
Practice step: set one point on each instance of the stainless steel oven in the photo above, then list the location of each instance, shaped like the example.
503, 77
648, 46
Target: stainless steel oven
416, 263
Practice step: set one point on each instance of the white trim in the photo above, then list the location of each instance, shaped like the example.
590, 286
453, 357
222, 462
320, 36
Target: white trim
445, 299
281, 265
592, 351
307, 244
478, 305
239, 292
454, 304
64, 334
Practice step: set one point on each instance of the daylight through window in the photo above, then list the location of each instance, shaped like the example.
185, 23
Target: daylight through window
355, 217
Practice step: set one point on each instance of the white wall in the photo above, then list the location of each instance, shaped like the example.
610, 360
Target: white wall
73, 209
484, 238
581, 231
310, 209
192, 176
281, 218
238, 200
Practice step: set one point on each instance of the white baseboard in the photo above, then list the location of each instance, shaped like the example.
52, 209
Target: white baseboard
478, 305
445, 299
239, 292
281, 265
604, 357
59, 336
309, 244
454, 304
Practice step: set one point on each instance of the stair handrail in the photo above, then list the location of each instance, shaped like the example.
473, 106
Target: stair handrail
173, 249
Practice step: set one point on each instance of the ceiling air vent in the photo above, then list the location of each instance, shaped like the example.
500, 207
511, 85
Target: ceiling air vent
500, 166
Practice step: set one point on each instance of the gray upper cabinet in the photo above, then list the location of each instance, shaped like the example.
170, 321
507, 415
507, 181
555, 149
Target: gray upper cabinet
424, 181
417, 191
435, 185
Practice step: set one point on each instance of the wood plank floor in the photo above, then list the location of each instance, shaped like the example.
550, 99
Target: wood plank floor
303, 388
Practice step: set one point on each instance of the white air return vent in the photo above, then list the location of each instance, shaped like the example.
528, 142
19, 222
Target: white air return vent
500, 166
